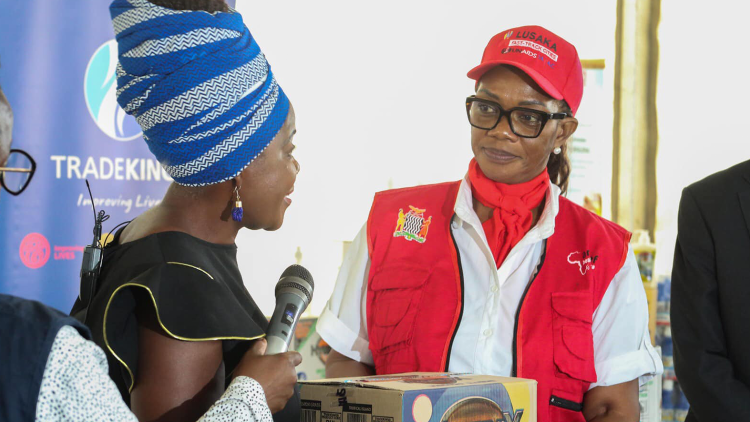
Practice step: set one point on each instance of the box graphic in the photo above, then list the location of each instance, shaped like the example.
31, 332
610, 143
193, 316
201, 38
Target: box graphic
420, 397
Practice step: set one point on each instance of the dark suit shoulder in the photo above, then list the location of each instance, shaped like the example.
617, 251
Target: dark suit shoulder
726, 182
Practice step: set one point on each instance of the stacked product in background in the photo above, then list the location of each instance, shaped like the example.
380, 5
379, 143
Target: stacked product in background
663, 327
645, 252
650, 393
681, 408
667, 401
674, 403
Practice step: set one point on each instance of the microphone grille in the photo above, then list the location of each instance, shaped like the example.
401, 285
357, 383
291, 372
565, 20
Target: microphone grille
299, 271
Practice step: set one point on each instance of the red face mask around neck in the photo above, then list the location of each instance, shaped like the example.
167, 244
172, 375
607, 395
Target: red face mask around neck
512, 208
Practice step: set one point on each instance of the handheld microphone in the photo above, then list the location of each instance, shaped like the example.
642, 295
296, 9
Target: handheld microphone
293, 293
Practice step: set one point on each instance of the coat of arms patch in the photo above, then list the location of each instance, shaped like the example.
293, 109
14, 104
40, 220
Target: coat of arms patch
412, 225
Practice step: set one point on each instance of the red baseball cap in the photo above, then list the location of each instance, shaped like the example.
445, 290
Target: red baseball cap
549, 60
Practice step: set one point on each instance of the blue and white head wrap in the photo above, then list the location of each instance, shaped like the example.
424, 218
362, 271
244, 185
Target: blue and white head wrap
200, 88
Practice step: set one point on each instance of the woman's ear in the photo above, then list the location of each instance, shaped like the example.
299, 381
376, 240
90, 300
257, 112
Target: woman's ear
565, 130
237, 181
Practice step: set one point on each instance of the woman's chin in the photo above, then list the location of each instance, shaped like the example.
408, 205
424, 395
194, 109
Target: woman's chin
278, 223
510, 173
500, 174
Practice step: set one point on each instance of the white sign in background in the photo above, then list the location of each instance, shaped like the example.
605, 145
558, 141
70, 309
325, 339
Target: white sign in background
590, 147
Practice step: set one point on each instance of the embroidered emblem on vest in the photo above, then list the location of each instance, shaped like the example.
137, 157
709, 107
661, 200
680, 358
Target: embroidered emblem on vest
412, 225
585, 261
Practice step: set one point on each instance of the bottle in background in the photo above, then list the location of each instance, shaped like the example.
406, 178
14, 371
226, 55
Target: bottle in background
667, 357
663, 297
681, 407
644, 253
667, 403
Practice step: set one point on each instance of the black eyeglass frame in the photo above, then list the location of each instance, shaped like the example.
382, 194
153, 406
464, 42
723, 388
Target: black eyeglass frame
31, 172
545, 116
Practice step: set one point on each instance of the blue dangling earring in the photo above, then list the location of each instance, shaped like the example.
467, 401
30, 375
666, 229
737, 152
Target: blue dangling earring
237, 210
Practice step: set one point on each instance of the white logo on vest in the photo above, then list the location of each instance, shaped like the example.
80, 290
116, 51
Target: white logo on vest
585, 262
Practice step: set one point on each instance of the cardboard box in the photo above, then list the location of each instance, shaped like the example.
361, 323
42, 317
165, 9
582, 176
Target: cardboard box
419, 397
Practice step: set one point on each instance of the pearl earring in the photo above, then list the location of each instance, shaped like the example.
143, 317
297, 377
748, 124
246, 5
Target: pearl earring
557, 150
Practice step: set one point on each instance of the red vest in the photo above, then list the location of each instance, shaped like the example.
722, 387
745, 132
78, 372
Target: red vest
415, 301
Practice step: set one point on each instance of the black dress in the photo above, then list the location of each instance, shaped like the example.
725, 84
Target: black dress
196, 290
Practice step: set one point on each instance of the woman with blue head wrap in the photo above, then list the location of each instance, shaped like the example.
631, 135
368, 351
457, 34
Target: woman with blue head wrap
170, 308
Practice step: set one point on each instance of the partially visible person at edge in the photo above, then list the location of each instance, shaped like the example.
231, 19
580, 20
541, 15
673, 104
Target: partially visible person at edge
170, 308
710, 290
51, 371
511, 278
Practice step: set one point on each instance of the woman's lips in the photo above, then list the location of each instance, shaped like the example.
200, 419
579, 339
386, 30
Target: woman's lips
287, 199
498, 155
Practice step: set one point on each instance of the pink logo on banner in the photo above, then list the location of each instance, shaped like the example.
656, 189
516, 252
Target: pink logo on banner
34, 250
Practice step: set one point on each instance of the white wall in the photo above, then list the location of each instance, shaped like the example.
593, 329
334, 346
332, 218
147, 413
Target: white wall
378, 89
702, 102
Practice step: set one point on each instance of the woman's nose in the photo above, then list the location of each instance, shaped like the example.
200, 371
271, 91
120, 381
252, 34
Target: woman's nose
502, 130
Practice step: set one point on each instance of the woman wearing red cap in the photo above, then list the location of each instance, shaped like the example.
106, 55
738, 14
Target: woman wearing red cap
511, 279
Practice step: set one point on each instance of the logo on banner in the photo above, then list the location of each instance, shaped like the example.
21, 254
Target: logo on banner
34, 250
100, 90
412, 225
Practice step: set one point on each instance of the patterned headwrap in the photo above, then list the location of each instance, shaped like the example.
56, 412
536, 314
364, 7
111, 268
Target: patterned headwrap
200, 88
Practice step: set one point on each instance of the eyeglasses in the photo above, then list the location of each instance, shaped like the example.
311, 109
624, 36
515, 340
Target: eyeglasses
18, 173
524, 122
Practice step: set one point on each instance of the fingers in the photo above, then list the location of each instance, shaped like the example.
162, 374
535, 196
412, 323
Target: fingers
277, 407
294, 358
290, 391
259, 347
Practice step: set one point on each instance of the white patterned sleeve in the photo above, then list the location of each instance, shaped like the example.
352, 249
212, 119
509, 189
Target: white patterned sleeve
244, 401
76, 385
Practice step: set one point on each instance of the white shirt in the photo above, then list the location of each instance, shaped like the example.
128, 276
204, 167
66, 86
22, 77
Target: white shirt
484, 339
76, 387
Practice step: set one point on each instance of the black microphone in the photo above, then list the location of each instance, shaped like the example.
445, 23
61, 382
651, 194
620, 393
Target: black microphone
92, 260
293, 293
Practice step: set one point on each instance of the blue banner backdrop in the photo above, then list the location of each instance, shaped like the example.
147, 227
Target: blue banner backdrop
58, 72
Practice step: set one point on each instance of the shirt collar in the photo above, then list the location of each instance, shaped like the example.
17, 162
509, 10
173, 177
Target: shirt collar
543, 229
